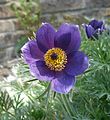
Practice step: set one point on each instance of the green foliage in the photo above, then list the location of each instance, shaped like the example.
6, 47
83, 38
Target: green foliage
90, 99
19, 44
22, 101
28, 14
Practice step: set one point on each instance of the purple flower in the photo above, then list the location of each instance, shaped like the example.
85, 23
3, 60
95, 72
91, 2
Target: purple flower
94, 28
53, 56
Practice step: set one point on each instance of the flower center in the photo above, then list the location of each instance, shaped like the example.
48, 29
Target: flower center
54, 56
55, 59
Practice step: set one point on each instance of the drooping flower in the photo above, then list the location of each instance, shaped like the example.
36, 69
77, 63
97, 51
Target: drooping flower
94, 28
53, 56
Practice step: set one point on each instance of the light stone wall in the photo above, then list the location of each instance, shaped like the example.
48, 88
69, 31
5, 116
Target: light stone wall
10, 31
76, 9
87, 6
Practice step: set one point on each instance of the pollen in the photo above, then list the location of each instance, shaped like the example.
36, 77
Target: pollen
55, 59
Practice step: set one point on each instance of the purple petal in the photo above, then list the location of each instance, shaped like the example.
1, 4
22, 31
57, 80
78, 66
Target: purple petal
68, 37
102, 28
99, 25
45, 37
89, 30
40, 71
31, 52
93, 23
96, 24
77, 63
63, 83
63, 41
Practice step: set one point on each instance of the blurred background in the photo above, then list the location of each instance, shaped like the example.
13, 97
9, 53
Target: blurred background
20, 18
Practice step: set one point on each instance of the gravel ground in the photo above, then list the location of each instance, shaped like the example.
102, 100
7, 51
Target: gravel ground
6, 70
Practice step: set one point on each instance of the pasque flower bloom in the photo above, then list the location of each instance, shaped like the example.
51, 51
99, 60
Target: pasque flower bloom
53, 56
94, 28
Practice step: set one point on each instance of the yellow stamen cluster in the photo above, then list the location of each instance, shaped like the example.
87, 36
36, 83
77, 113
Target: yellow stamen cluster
55, 59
